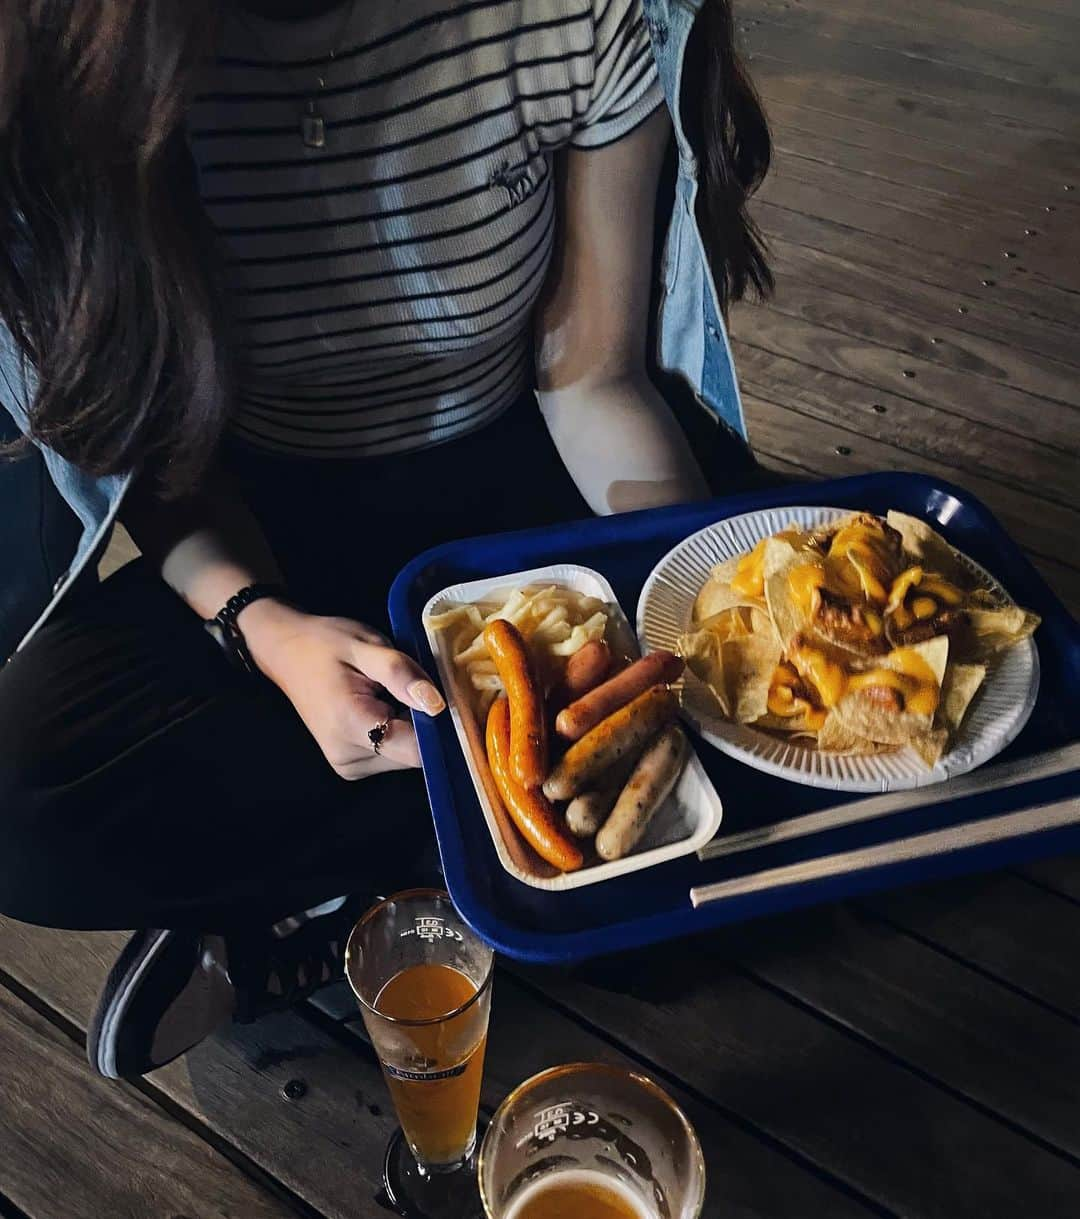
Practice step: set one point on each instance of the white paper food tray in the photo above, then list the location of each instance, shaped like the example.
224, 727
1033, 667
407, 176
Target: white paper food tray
689, 817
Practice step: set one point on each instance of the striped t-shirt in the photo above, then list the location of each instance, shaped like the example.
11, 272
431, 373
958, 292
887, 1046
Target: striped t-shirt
383, 283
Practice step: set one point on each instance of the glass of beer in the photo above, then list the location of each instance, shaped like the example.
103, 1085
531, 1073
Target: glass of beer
423, 980
591, 1141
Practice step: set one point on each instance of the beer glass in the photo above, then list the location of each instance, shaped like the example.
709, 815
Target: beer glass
423, 980
594, 1142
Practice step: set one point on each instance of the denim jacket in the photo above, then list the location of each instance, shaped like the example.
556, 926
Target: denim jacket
693, 344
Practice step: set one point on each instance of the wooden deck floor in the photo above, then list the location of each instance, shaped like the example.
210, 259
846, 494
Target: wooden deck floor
916, 1054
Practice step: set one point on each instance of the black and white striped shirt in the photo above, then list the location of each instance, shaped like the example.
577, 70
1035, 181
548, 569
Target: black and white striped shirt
383, 283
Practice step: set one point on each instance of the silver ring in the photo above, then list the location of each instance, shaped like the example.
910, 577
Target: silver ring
377, 734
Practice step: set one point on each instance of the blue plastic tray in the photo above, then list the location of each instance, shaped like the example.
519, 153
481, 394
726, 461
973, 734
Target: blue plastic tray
654, 904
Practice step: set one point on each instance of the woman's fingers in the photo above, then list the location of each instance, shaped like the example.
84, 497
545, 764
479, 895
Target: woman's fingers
399, 674
369, 712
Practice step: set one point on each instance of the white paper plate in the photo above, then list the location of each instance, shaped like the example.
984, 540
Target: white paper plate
999, 711
689, 817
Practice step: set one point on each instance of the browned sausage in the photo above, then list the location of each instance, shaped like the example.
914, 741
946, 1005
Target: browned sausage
620, 734
588, 711
530, 811
528, 726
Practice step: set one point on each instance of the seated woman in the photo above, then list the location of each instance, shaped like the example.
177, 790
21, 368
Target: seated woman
296, 289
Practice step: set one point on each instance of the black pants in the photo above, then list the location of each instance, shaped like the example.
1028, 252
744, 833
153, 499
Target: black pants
144, 783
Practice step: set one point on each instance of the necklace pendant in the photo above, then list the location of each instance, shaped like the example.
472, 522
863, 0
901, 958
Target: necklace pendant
312, 127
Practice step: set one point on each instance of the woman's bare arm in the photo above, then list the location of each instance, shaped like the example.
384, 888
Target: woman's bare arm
617, 436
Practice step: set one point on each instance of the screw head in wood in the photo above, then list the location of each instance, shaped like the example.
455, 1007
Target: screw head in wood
842, 450
294, 1089
879, 408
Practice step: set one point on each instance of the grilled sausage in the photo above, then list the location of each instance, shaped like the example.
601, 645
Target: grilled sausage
586, 712
528, 728
586, 813
620, 734
653, 778
529, 810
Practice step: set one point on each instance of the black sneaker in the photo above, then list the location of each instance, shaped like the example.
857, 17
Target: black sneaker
171, 989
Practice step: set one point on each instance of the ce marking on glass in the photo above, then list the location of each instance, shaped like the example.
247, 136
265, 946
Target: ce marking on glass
431, 928
556, 1120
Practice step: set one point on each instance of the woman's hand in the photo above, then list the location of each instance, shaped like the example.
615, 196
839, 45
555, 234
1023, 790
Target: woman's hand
340, 677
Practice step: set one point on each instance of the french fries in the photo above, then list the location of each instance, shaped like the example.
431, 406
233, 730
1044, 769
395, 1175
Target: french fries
555, 622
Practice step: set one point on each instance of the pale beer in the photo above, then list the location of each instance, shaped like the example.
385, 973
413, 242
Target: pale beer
436, 1084
578, 1194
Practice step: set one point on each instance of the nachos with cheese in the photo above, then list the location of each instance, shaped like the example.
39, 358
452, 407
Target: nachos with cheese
867, 634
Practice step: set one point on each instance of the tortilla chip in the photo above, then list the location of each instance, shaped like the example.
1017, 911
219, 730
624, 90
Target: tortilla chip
717, 595
738, 671
701, 651
737, 621
929, 549
961, 684
835, 737
749, 664
930, 745
781, 558
935, 652
995, 630
790, 725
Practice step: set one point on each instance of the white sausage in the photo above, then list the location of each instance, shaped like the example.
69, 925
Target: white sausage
653, 778
586, 813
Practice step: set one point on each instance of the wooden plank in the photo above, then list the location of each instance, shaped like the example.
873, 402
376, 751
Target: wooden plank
946, 443
896, 207
232, 1083
974, 254
74, 1145
1017, 933
987, 98
1052, 346
1062, 875
835, 449
939, 343
903, 108
1011, 52
818, 226
925, 430
900, 157
994, 406
914, 1146
941, 1018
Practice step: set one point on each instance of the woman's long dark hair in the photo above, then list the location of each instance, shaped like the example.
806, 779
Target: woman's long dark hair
726, 125
105, 279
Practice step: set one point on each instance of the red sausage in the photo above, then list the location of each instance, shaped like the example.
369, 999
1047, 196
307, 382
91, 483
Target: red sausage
586, 712
587, 668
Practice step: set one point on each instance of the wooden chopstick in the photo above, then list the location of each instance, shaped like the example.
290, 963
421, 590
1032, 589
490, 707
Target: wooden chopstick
1040, 817
988, 778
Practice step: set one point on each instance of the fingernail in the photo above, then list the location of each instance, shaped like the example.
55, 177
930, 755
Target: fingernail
427, 696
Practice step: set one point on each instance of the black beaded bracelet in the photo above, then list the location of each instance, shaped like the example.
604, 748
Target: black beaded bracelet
225, 630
